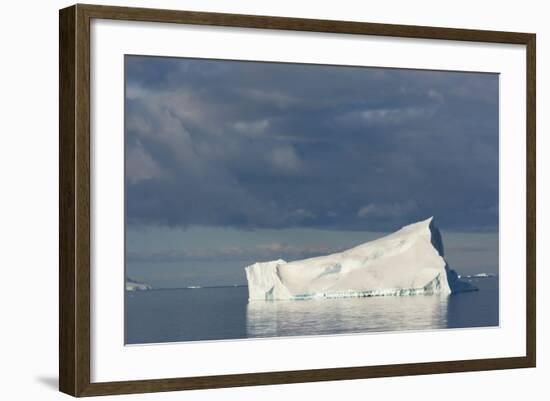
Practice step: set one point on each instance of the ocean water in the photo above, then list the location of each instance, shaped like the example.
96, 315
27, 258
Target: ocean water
223, 313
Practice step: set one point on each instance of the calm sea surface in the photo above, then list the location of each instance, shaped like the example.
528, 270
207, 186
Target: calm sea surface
224, 313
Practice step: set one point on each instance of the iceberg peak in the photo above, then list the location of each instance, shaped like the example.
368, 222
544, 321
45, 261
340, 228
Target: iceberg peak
409, 261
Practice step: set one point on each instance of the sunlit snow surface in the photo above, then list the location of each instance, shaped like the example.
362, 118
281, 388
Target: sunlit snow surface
407, 262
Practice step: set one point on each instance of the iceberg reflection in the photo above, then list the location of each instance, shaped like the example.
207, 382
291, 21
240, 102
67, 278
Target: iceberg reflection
346, 315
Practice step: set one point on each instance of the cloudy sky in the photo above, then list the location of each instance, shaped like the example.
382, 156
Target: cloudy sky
231, 162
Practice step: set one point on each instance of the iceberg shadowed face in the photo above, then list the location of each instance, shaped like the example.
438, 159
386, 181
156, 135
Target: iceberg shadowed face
259, 195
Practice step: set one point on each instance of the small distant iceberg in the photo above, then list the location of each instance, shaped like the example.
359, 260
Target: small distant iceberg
408, 262
479, 275
133, 285
192, 287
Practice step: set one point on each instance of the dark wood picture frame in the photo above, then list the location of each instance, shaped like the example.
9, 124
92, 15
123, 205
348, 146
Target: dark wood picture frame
74, 199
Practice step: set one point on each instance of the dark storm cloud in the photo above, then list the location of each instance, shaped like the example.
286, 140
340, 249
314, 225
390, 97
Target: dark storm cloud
242, 144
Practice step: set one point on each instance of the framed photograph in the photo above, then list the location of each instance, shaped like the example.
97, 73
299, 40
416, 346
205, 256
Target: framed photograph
250, 200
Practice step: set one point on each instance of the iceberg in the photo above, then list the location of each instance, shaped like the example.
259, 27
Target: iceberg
409, 261
479, 275
133, 285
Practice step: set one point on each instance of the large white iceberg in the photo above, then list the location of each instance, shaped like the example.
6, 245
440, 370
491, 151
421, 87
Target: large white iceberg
408, 262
